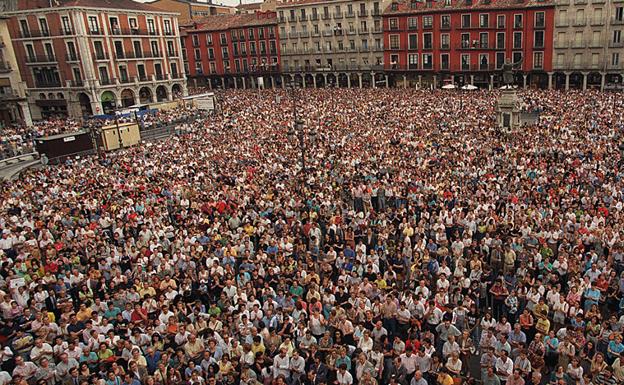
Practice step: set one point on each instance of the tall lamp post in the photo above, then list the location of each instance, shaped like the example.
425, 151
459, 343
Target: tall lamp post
297, 133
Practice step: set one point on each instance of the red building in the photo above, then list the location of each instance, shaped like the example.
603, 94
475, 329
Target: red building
233, 51
89, 57
467, 41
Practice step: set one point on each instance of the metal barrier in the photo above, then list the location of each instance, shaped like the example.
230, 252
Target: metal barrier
7, 162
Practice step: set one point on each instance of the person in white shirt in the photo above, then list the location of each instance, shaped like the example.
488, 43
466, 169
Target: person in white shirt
343, 377
504, 366
409, 361
297, 367
281, 365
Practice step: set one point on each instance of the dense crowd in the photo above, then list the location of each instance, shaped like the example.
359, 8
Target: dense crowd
421, 245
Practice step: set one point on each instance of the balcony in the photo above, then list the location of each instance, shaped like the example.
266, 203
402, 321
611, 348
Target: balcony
445, 46
34, 33
107, 81
562, 23
96, 32
48, 84
597, 21
338, 32
615, 21
304, 34
314, 17
350, 15
363, 31
377, 30
326, 16
579, 22
445, 26
168, 33
160, 77
282, 19
292, 19
475, 45
126, 80
5, 67
616, 45
152, 32
68, 31
562, 44
376, 12
76, 83
303, 18
71, 58
173, 54
41, 59
176, 75
328, 33
518, 26
363, 13
338, 15
142, 78
580, 2
100, 56
579, 44
351, 32
293, 35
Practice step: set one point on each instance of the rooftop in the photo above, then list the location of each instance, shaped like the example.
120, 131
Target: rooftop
233, 21
23, 5
423, 6
290, 3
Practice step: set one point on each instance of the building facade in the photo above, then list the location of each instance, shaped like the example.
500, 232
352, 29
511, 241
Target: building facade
233, 51
13, 104
468, 41
339, 42
90, 57
189, 10
589, 44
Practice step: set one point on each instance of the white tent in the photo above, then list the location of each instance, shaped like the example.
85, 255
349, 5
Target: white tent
449, 87
469, 87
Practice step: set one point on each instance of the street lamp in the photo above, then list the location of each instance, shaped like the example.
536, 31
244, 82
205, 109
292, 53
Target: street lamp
117, 113
297, 133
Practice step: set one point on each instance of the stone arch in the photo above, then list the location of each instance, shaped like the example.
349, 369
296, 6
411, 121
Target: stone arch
176, 90
161, 93
146, 95
127, 97
331, 80
85, 104
60, 95
109, 102
320, 80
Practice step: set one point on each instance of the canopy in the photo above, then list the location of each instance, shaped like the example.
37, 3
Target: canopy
449, 87
469, 87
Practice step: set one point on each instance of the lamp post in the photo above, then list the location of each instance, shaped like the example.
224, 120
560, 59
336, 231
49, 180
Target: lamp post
298, 133
117, 113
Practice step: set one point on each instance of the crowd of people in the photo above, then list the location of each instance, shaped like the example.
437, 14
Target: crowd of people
420, 245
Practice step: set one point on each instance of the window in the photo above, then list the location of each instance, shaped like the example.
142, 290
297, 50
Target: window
500, 21
211, 54
427, 21
516, 57
209, 39
138, 51
413, 42
133, 24
30, 51
445, 21
465, 62
427, 41
617, 36
465, 40
412, 23
119, 51
484, 20
71, 51
151, 27
538, 60
615, 59
484, 40
251, 33
484, 61
517, 21
49, 51
465, 21
412, 61
540, 20
24, 27
538, 41
619, 13
444, 62
170, 48
445, 41
155, 50
103, 75
394, 24
94, 26
99, 50
195, 40
427, 60
43, 26
123, 74
224, 52
500, 59
500, 40
394, 41
517, 40
167, 27
223, 39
